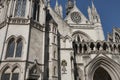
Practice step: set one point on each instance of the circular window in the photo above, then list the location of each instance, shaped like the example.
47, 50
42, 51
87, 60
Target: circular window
75, 16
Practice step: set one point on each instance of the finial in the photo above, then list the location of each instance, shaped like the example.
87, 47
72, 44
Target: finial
93, 4
74, 2
56, 2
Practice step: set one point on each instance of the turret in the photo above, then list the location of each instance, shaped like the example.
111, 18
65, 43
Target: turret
94, 18
58, 9
95, 15
89, 14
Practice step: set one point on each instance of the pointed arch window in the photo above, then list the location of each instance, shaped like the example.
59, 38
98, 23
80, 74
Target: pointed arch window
20, 8
19, 48
10, 75
14, 48
11, 48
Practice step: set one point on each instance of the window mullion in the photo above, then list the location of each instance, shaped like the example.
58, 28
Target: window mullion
11, 76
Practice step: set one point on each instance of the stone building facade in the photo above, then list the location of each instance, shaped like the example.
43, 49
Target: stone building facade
36, 43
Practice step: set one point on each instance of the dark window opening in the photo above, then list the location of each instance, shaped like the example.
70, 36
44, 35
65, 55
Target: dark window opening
10, 48
101, 74
19, 48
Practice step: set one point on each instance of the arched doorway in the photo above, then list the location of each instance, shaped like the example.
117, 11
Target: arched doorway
101, 74
101, 66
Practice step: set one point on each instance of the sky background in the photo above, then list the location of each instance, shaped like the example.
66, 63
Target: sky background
109, 11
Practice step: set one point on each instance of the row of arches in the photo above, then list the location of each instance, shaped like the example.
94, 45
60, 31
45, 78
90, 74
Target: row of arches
93, 46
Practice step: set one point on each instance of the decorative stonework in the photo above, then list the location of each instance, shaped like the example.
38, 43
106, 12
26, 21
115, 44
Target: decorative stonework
76, 17
95, 47
36, 25
19, 21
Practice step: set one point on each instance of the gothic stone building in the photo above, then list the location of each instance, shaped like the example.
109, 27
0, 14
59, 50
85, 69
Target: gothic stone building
36, 43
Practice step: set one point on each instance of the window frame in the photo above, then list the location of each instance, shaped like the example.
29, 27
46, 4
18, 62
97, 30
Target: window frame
15, 48
8, 47
11, 73
21, 8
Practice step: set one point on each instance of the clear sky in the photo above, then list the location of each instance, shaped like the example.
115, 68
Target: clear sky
109, 11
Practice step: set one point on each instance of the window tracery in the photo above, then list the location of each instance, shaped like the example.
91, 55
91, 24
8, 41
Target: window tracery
14, 48
20, 8
79, 37
10, 75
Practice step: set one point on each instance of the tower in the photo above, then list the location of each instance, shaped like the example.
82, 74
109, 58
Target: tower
22, 23
94, 19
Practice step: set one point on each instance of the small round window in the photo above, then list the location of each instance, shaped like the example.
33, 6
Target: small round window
75, 16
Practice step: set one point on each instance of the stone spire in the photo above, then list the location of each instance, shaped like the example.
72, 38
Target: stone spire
69, 6
93, 6
95, 16
58, 9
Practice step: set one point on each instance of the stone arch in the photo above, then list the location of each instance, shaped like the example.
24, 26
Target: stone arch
107, 64
101, 74
5, 67
10, 37
68, 37
16, 38
85, 47
17, 66
105, 46
76, 33
23, 39
98, 45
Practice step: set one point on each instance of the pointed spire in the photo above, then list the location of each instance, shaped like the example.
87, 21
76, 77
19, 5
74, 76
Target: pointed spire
56, 6
74, 2
56, 3
61, 11
93, 6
